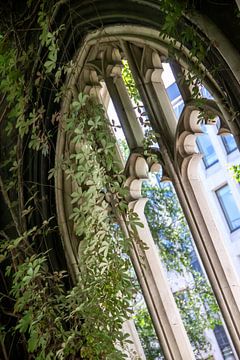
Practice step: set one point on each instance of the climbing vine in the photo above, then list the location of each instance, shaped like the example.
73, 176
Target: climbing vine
79, 318
85, 321
104, 290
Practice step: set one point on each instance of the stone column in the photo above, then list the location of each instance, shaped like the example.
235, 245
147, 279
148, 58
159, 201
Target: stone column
151, 274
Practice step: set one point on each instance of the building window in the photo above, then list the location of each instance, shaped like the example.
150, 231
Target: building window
175, 98
206, 148
178, 107
229, 207
205, 93
223, 342
195, 262
229, 143
173, 92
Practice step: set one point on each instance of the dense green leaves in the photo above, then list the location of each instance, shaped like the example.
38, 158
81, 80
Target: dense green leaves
236, 172
103, 294
87, 320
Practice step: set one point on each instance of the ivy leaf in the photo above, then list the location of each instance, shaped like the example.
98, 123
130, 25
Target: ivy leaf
33, 341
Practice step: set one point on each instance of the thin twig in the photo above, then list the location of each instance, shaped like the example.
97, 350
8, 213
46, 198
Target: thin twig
3, 114
4, 350
20, 184
9, 313
9, 205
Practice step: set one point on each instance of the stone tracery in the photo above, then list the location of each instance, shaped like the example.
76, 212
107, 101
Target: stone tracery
100, 64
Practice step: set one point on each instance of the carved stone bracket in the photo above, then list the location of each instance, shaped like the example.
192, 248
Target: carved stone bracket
190, 127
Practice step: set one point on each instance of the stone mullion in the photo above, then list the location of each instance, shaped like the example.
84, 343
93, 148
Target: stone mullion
144, 276
155, 299
238, 4
151, 286
154, 84
207, 237
124, 109
152, 277
157, 107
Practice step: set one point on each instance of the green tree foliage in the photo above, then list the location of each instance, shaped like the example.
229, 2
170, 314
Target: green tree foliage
196, 302
236, 172
146, 332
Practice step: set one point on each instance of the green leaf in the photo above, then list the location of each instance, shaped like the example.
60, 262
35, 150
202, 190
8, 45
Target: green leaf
33, 342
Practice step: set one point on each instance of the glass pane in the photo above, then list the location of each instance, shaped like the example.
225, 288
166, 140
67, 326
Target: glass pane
138, 107
195, 262
175, 98
205, 147
205, 93
229, 143
221, 336
117, 131
229, 207
167, 75
173, 91
178, 107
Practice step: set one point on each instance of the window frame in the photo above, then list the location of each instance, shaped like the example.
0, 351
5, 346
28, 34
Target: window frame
224, 210
201, 150
226, 146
